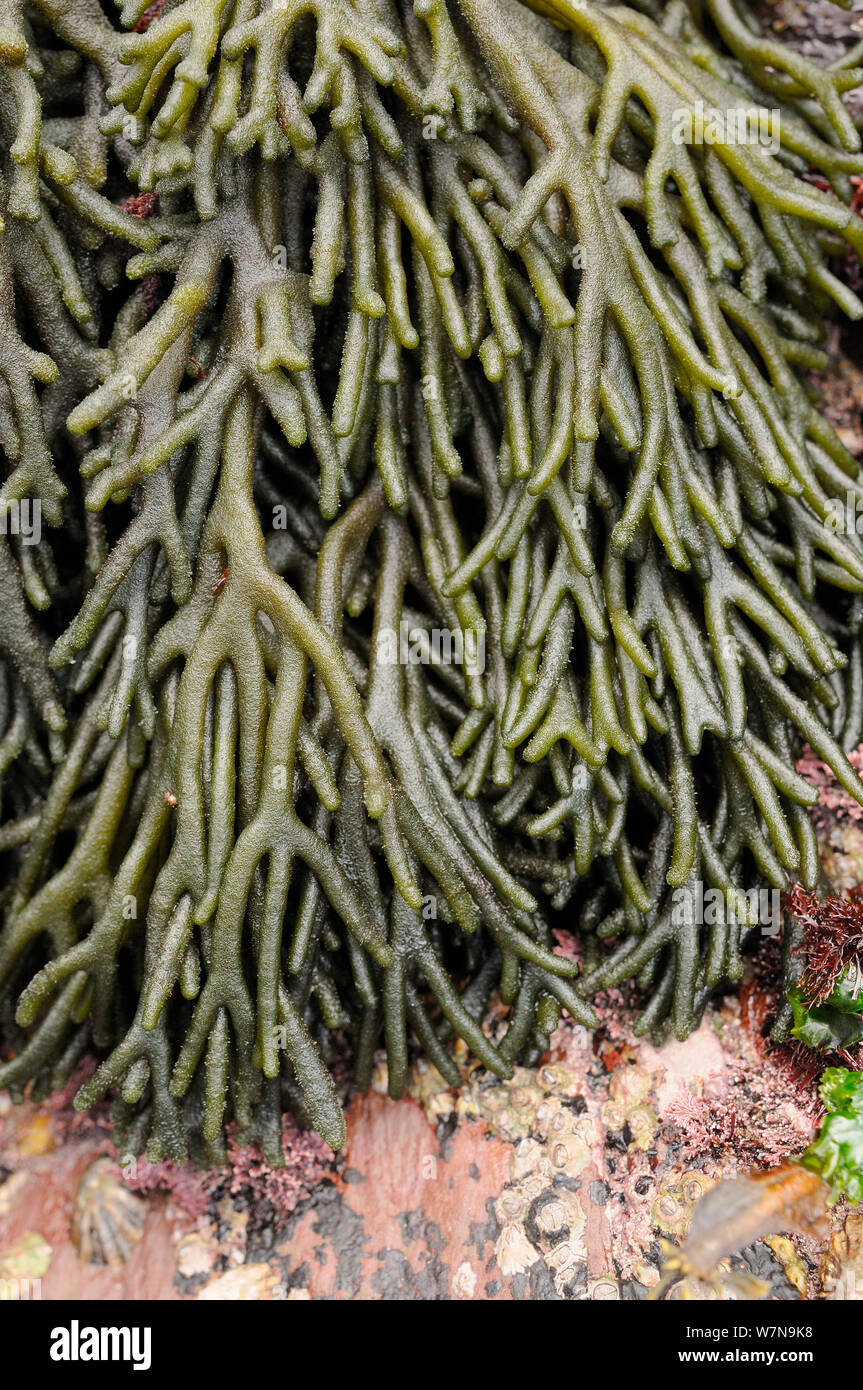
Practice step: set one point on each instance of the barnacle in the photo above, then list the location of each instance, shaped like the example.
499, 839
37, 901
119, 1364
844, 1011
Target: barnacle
331, 328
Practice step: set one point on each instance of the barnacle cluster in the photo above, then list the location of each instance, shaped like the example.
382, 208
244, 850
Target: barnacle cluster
333, 328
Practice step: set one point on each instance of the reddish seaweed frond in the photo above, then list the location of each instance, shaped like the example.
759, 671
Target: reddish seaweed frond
833, 938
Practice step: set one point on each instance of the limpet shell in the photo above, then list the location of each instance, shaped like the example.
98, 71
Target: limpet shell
108, 1218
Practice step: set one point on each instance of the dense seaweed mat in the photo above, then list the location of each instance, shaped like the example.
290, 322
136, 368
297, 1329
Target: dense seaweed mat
329, 322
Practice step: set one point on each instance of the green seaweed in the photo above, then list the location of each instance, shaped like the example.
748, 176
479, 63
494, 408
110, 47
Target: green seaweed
832, 1025
837, 1154
324, 321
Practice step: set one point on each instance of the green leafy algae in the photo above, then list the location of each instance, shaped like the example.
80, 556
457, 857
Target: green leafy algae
837, 1153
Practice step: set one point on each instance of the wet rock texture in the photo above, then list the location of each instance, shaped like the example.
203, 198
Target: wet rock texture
558, 1184
46, 1155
